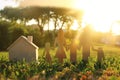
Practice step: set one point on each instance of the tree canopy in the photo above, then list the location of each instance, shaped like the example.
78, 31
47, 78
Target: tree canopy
43, 15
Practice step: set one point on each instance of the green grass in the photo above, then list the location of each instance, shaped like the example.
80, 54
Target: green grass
4, 55
22, 70
108, 51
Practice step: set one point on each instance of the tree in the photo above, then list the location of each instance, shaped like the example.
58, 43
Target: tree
4, 35
62, 17
12, 14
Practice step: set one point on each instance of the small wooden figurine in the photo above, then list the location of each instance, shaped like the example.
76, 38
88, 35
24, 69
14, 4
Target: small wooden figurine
100, 54
86, 43
46, 52
60, 41
73, 51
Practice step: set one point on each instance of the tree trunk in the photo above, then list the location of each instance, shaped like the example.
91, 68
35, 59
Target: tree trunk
40, 27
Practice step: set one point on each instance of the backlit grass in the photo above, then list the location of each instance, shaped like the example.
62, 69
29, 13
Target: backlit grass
109, 51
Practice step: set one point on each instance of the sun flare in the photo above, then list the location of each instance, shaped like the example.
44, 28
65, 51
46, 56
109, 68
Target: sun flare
100, 13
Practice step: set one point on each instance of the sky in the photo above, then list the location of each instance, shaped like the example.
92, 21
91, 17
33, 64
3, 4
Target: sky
100, 13
60, 3
4, 3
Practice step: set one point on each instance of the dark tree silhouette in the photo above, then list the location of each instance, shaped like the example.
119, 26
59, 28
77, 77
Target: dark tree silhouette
43, 15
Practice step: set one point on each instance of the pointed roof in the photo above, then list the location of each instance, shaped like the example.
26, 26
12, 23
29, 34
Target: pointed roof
25, 39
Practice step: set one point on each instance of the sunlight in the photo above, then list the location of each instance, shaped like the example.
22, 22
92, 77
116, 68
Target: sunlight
31, 22
75, 26
100, 13
116, 29
49, 26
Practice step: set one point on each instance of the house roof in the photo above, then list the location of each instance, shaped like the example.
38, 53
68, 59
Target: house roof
25, 39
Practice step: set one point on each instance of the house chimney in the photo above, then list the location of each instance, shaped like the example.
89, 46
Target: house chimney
30, 38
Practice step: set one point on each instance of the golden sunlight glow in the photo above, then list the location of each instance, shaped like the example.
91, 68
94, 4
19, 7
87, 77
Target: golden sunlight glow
100, 13
75, 26
116, 29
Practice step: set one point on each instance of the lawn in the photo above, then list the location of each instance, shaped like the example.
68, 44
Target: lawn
106, 70
108, 52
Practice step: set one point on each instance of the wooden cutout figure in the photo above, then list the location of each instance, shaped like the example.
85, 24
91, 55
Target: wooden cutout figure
60, 41
46, 52
100, 54
73, 51
86, 43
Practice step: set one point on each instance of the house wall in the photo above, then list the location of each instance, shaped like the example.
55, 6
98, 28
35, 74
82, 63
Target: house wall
23, 50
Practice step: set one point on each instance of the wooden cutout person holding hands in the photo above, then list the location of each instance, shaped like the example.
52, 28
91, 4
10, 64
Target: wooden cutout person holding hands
73, 51
100, 53
60, 41
86, 43
46, 52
